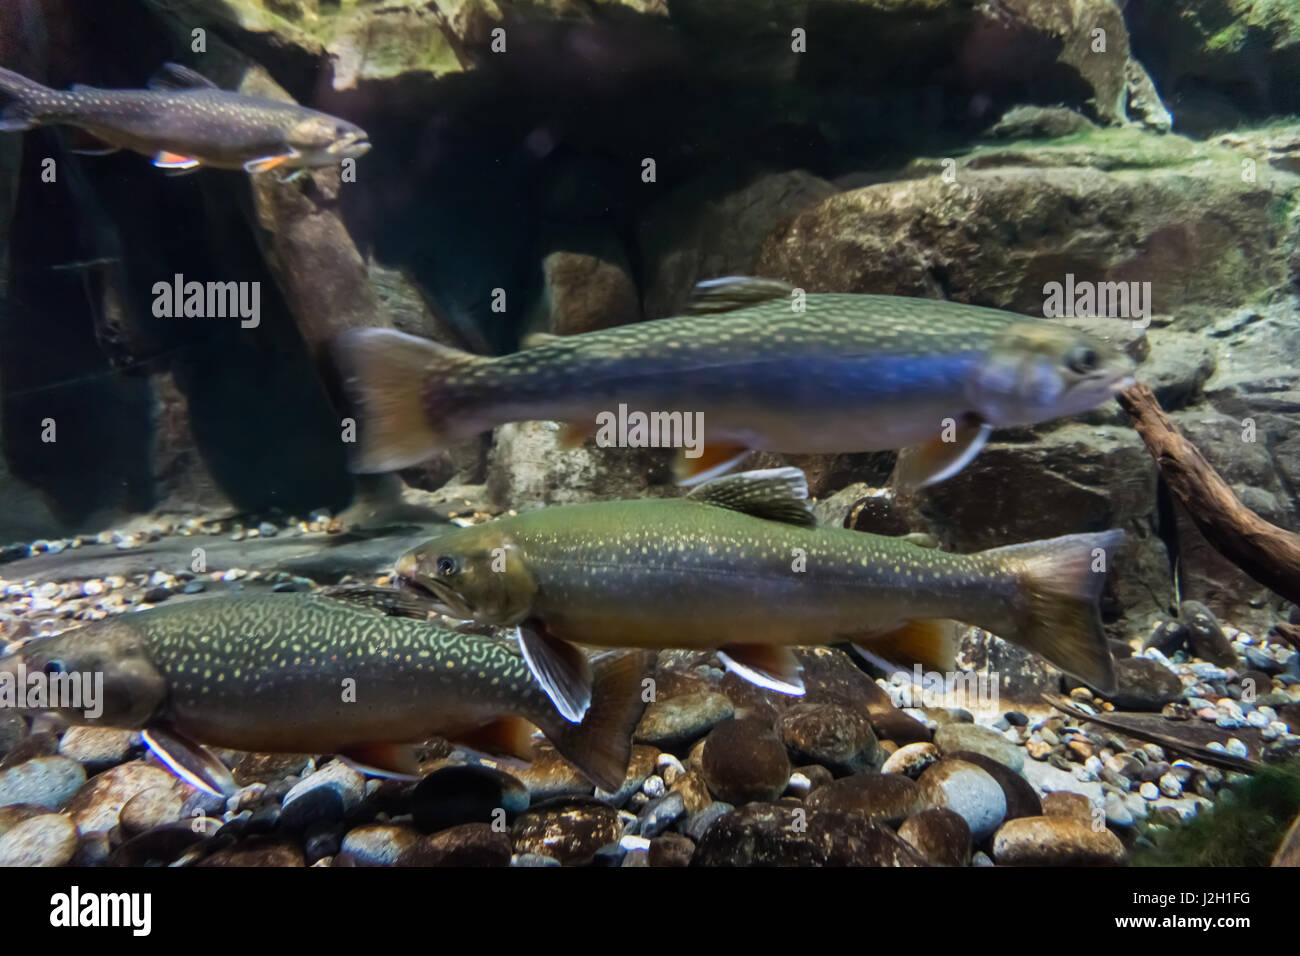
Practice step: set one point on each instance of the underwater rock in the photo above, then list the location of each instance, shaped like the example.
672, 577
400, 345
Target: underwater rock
967, 790
43, 781
469, 844
260, 852
1144, 104
378, 844
1066, 803
1021, 797
830, 735
586, 284
453, 795
671, 849
46, 840
571, 835
996, 231
953, 737
745, 761
939, 835
1144, 684
670, 722
154, 807
97, 805
1039, 122
765, 834
96, 748
912, 759
322, 797
1205, 637
1056, 841
884, 798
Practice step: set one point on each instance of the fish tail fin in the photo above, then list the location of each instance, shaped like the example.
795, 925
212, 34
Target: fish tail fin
393, 379
601, 745
1055, 613
21, 102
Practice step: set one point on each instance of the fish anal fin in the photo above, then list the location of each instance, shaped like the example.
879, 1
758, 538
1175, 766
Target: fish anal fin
932, 643
174, 76
560, 667
766, 665
937, 460
168, 160
778, 494
398, 761
712, 462
509, 735
193, 763
735, 292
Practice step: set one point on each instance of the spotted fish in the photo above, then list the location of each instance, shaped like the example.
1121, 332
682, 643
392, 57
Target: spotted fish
308, 674
184, 121
740, 565
768, 368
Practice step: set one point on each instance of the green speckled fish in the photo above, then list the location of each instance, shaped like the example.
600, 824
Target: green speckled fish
766, 366
740, 565
308, 674
184, 121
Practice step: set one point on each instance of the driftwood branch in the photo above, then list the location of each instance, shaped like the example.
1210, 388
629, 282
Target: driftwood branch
1269, 554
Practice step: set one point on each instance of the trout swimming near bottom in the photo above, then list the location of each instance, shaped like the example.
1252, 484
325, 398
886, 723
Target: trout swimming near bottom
741, 567
271, 674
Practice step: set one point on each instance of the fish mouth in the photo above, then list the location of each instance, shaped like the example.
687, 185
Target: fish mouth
351, 145
445, 600
1122, 384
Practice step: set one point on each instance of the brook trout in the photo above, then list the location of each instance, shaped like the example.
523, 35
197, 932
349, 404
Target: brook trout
765, 366
272, 674
184, 121
740, 566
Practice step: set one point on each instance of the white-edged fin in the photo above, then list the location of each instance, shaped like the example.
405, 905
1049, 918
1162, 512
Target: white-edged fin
561, 668
261, 164
889, 667
173, 76
391, 761
192, 762
165, 160
938, 460
765, 665
735, 292
106, 151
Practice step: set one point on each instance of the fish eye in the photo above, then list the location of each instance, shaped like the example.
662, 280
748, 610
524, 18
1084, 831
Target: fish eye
1082, 359
55, 666
446, 566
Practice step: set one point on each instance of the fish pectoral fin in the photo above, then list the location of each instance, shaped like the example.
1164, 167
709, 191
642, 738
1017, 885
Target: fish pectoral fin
778, 494
735, 292
938, 459
712, 462
87, 144
395, 761
767, 665
264, 163
573, 434
560, 667
173, 76
512, 736
931, 643
192, 762
166, 160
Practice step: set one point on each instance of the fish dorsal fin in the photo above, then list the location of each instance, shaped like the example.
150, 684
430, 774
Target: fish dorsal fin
173, 76
538, 339
735, 292
778, 494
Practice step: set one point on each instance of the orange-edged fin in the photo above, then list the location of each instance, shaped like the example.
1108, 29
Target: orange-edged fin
512, 736
165, 160
263, 164
931, 643
190, 761
601, 746
767, 665
396, 761
713, 460
573, 434
560, 667
393, 378
938, 460
1059, 581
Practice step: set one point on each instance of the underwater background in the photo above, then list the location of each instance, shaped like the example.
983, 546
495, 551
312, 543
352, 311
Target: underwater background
565, 166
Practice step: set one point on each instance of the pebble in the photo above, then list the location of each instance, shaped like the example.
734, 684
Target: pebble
766, 834
46, 840
911, 760
1056, 841
98, 748
1149, 791
671, 849
831, 735
745, 761
322, 797
969, 791
48, 782
98, 804
154, 807
660, 814
571, 835
698, 823
886, 798
452, 795
1066, 803
1145, 684
1021, 797
939, 835
953, 737
1118, 813
1170, 785
676, 721
257, 852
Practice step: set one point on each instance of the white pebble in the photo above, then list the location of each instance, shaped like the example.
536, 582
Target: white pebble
1237, 748
1149, 791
